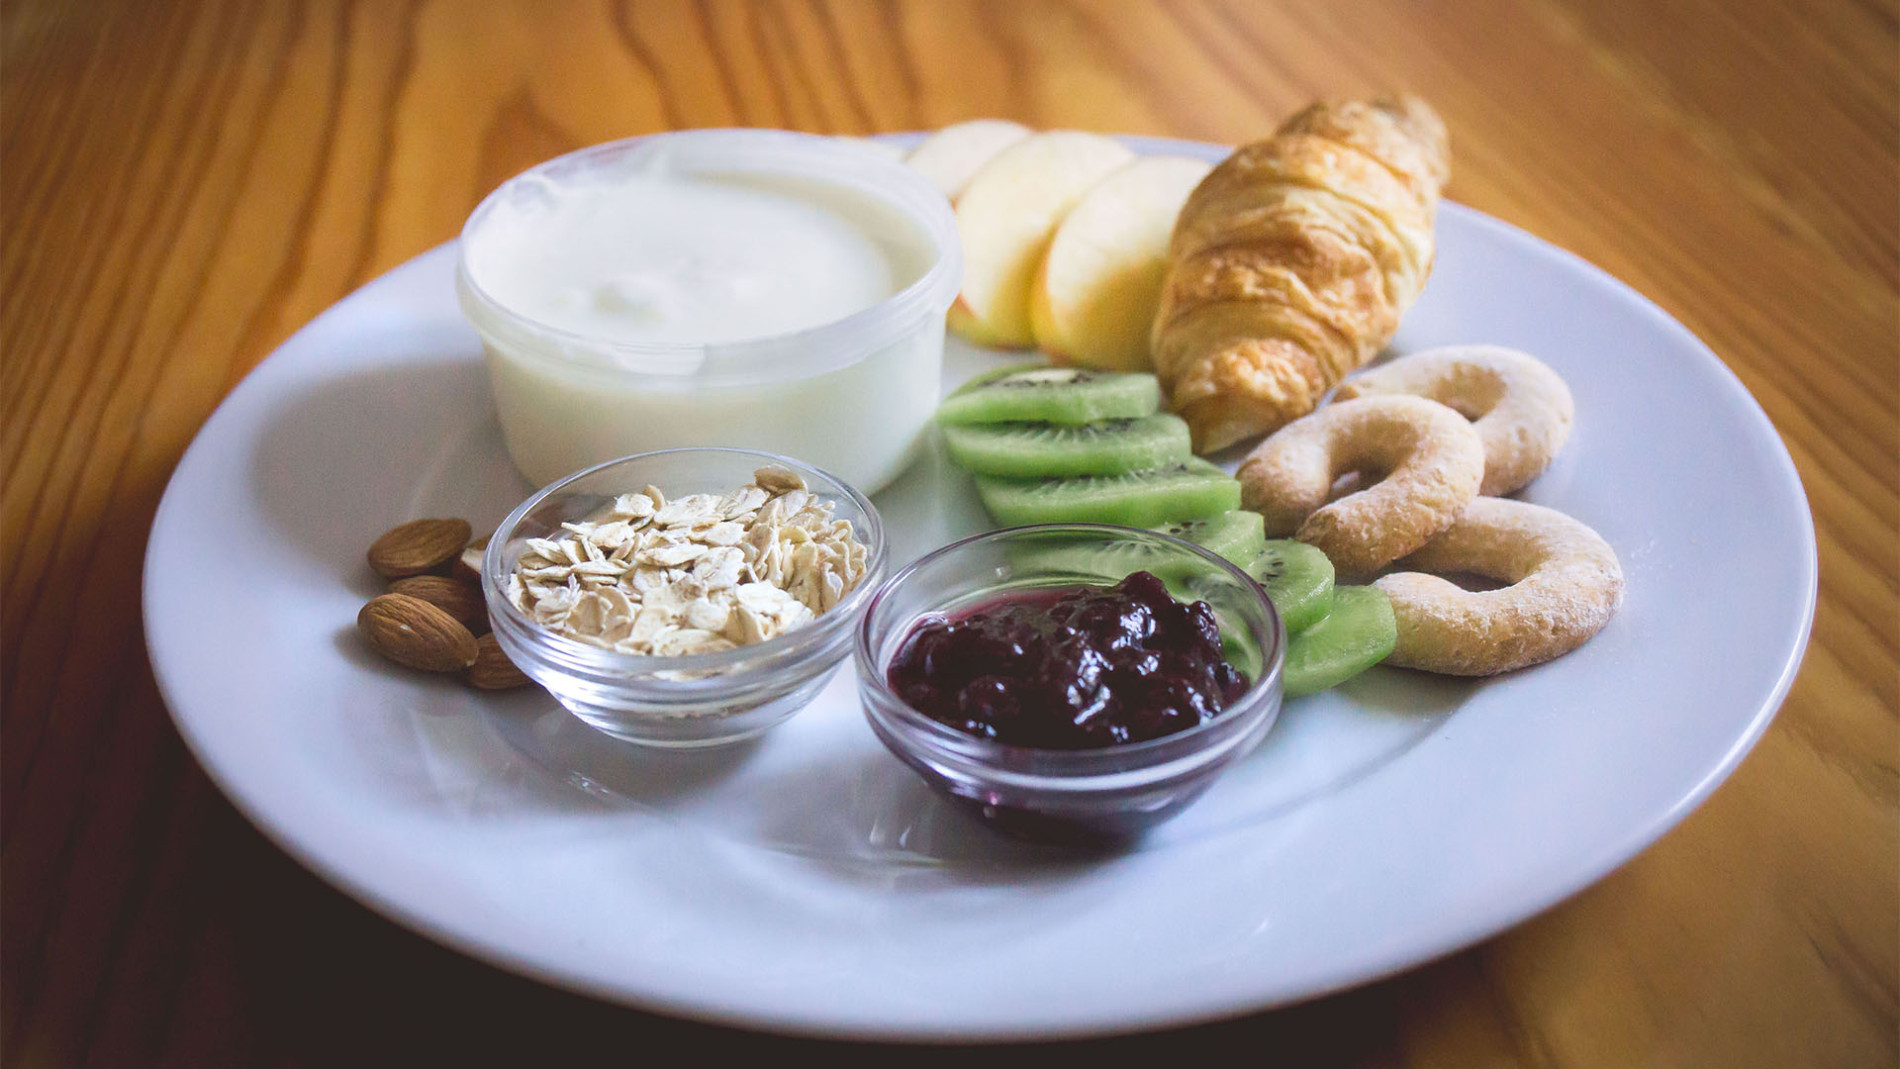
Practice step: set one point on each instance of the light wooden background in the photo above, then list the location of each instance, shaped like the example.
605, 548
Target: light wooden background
184, 184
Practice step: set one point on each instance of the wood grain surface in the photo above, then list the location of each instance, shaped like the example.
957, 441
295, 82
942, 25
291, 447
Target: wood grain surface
183, 184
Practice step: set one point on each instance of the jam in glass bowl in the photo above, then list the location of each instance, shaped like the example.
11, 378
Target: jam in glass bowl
1071, 682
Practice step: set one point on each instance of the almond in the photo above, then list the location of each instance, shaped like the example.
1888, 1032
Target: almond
453, 597
492, 669
416, 634
417, 547
468, 566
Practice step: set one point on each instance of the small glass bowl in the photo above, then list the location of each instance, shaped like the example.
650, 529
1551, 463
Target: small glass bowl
1103, 796
682, 701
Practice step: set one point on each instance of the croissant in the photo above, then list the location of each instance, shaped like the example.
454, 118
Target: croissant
1292, 261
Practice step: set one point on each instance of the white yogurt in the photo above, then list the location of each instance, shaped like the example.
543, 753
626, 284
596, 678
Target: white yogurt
647, 258
722, 287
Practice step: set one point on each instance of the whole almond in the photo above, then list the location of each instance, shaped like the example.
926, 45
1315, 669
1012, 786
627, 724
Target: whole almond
451, 596
416, 634
468, 566
417, 547
492, 669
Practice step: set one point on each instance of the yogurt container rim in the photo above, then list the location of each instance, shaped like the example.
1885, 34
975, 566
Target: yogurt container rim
774, 358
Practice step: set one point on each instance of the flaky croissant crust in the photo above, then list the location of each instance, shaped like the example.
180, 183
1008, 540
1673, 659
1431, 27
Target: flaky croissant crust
1292, 262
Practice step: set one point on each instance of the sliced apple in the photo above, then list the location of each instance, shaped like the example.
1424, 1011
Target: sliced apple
1006, 216
1095, 294
951, 155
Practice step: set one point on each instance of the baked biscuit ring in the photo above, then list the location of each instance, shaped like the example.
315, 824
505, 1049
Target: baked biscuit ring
1521, 407
1565, 584
1429, 455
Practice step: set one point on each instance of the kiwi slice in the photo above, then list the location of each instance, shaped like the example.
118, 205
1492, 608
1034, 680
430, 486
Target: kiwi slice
1047, 449
1066, 395
1190, 490
993, 374
1240, 536
1358, 633
1299, 579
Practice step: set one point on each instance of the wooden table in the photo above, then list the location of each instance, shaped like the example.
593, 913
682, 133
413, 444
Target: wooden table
184, 184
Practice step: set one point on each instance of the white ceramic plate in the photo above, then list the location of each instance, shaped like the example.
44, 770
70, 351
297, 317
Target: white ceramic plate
811, 883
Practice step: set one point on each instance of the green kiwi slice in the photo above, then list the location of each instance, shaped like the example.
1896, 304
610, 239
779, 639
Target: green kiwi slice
1299, 579
1066, 395
1240, 536
1358, 633
993, 374
1030, 450
1190, 490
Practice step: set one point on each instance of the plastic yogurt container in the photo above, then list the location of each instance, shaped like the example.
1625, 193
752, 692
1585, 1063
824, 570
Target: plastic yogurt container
757, 289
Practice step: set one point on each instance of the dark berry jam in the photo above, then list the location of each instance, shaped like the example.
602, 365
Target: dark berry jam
1072, 668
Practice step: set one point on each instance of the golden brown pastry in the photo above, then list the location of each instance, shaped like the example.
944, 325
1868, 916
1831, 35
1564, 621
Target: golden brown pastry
1520, 408
1292, 262
1564, 584
1429, 457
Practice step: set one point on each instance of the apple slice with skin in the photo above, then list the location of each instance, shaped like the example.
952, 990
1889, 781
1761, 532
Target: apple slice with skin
951, 155
1006, 216
1096, 292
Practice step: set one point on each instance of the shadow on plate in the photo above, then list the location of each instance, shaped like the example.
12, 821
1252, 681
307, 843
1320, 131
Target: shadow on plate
837, 799
352, 456
622, 772
1403, 692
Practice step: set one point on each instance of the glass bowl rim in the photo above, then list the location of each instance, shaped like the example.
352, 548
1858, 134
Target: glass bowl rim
769, 653
996, 754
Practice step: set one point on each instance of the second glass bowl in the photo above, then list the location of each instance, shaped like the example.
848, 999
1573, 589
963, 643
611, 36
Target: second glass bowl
691, 700
1087, 796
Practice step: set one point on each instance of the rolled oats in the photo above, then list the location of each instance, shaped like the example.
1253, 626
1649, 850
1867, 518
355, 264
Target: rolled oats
774, 479
633, 507
695, 574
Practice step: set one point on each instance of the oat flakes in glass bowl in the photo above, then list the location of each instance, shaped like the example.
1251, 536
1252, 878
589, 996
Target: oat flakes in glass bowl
702, 614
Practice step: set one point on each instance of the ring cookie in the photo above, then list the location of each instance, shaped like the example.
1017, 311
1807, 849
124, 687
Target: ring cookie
1521, 408
1431, 459
1565, 584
